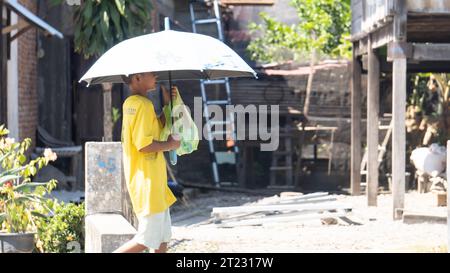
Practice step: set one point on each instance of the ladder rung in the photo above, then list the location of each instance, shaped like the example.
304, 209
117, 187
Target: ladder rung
227, 183
217, 102
283, 152
220, 132
218, 122
206, 21
281, 168
225, 157
214, 81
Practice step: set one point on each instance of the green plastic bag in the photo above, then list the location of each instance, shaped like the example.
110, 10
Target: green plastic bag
184, 126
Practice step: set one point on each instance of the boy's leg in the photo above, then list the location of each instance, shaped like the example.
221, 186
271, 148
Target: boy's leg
130, 247
162, 248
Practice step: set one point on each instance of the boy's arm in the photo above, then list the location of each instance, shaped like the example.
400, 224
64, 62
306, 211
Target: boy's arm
161, 146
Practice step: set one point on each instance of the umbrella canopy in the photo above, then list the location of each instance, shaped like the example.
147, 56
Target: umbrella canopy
187, 56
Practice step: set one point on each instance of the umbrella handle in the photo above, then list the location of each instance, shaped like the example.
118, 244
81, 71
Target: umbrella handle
172, 154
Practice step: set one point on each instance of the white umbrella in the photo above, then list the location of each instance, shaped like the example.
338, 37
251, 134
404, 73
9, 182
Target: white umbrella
187, 56
172, 55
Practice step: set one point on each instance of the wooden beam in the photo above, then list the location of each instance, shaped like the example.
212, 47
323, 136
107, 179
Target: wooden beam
355, 147
398, 113
382, 36
400, 20
373, 106
418, 67
283, 218
431, 52
19, 25
269, 208
399, 50
398, 135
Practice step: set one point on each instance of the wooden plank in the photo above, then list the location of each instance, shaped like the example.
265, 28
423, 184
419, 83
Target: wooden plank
308, 201
382, 36
278, 201
399, 50
430, 6
400, 20
398, 134
355, 147
315, 207
431, 52
306, 196
373, 106
283, 219
357, 16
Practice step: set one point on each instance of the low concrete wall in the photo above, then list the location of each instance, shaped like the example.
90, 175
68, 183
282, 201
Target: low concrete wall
106, 227
107, 232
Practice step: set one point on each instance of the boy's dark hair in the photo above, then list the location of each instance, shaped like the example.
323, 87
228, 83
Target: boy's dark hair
127, 79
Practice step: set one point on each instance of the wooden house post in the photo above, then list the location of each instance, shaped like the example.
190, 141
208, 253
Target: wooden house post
398, 111
355, 126
373, 106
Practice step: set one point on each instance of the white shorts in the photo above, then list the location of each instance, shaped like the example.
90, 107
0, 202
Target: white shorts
154, 229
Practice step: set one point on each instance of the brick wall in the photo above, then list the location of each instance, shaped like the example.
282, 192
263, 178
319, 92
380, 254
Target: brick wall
28, 103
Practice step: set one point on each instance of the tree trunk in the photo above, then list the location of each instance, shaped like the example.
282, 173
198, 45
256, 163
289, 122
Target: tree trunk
107, 113
310, 82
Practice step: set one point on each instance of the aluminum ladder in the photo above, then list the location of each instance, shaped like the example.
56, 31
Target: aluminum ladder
218, 157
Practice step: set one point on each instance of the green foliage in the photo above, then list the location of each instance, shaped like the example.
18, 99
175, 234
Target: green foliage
20, 199
277, 41
100, 24
64, 231
115, 114
323, 25
428, 110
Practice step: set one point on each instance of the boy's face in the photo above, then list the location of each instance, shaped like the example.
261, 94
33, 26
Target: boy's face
146, 81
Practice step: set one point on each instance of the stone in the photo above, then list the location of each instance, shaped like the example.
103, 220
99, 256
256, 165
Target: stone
106, 232
103, 177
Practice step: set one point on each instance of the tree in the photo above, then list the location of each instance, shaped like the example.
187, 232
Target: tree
99, 25
322, 30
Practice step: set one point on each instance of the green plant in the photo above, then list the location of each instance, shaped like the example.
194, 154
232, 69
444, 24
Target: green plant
324, 26
64, 231
115, 114
428, 110
101, 24
21, 201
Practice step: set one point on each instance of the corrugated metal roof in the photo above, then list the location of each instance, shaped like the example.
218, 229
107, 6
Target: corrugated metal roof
305, 70
32, 18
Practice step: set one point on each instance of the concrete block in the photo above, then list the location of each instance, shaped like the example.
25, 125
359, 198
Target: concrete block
106, 232
103, 177
418, 218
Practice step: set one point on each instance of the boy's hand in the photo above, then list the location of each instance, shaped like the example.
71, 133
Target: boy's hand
174, 142
166, 98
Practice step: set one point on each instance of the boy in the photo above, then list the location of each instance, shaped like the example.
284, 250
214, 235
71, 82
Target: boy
145, 166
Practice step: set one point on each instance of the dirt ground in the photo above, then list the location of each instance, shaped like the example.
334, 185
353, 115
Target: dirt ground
193, 230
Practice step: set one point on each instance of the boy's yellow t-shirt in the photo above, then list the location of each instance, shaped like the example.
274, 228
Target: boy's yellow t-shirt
145, 173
